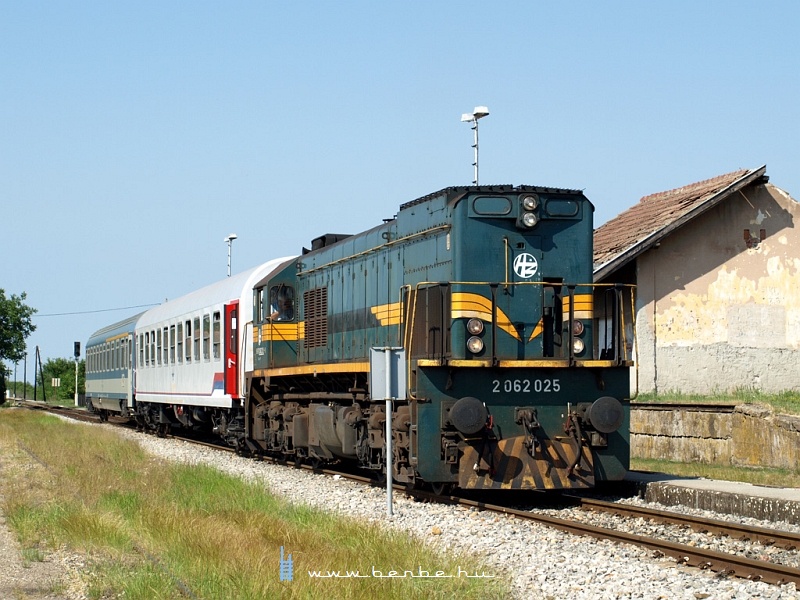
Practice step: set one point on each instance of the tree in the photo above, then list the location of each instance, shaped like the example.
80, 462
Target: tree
15, 326
63, 369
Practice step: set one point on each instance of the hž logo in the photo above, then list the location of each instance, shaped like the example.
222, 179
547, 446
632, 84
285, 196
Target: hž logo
526, 265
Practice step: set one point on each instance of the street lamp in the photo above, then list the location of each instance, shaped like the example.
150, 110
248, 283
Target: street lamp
229, 239
478, 113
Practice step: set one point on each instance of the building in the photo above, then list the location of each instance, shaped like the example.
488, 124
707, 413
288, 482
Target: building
716, 266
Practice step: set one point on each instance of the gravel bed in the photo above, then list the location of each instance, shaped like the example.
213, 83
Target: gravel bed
539, 561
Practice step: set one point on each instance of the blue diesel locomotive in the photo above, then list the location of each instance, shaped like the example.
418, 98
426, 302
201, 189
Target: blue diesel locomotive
516, 366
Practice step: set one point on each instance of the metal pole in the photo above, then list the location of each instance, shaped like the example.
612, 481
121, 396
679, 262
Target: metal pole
229, 257
389, 465
475, 145
76, 382
25, 378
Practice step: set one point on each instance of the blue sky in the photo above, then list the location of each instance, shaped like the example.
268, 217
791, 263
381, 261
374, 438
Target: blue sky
135, 136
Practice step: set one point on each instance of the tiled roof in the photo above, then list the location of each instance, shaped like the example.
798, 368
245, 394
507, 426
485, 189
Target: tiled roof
635, 230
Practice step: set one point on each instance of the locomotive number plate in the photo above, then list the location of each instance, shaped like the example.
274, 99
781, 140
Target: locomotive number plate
525, 386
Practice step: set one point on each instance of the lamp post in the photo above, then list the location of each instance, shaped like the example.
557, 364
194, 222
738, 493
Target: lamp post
229, 240
478, 113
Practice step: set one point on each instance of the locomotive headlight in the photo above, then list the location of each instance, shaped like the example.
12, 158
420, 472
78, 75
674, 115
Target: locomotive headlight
577, 345
529, 219
577, 327
530, 202
474, 344
475, 326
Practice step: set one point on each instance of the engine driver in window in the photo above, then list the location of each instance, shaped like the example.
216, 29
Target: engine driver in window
281, 306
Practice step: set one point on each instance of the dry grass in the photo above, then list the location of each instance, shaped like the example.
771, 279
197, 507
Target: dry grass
155, 530
787, 402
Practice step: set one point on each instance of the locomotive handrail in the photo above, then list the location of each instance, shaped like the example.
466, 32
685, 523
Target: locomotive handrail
619, 351
371, 250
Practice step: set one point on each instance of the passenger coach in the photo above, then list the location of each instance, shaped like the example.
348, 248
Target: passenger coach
192, 354
110, 368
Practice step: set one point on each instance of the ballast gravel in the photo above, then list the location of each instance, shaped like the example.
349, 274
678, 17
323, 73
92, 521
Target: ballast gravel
535, 560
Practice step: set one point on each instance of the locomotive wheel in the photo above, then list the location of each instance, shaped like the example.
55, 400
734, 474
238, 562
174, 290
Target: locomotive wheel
442, 488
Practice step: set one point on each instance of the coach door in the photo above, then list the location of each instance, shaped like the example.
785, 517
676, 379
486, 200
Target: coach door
130, 353
232, 349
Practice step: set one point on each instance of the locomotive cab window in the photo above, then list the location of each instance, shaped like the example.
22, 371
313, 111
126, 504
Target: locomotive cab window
281, 303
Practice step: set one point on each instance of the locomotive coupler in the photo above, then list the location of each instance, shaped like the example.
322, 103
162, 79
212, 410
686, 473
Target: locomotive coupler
573, 428
527, 418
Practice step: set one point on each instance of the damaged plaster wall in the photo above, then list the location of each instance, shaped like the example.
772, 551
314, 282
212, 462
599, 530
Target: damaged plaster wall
718, 307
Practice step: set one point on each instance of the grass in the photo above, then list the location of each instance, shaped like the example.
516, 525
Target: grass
787, 402
155, 530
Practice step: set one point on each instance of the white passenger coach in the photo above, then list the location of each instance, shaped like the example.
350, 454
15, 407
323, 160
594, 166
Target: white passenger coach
193, 350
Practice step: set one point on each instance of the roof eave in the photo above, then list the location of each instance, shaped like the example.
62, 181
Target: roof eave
654, 238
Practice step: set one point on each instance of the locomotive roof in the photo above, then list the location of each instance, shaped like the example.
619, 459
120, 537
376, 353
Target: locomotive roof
454, 192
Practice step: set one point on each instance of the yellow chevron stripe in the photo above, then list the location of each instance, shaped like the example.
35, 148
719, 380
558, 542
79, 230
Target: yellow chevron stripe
537, 330
286, 332
583, 302
475, 306
387, 314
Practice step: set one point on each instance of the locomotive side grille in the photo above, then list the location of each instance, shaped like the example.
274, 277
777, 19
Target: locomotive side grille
315, 303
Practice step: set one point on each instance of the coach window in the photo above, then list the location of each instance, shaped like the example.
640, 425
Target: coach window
188, 332
166, 345
142, 361
153, 347
158, 347
172, 344
216, 336
206, 337
179, 339
197, 338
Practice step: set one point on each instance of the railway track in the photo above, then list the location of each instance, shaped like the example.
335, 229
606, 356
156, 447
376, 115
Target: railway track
702, 558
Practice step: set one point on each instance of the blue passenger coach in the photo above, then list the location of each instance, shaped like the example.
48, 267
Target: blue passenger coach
110, 368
